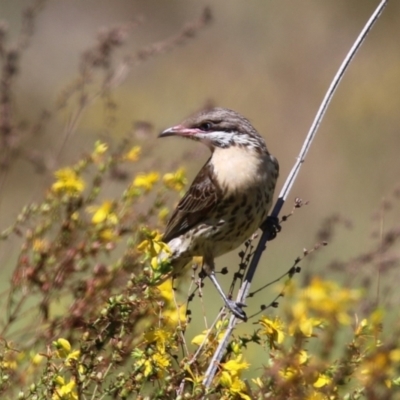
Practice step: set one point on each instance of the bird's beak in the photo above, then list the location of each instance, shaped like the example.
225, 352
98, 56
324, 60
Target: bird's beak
178, 130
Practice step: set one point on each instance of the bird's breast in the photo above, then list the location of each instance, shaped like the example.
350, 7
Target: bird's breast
237, 169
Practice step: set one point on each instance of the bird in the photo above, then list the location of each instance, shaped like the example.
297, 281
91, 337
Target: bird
229, 198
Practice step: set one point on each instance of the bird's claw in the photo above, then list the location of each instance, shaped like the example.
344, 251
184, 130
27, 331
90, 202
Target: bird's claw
237, 309
272, 225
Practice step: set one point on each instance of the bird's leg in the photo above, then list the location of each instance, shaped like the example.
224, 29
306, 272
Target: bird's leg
235, 307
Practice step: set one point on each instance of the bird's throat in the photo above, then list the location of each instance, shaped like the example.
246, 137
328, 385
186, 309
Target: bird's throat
237, 168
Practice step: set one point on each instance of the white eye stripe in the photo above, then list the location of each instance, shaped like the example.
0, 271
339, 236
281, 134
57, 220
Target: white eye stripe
218, 138
225, 139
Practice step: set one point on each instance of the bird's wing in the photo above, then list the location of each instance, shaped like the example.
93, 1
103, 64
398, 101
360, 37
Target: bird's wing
198, 202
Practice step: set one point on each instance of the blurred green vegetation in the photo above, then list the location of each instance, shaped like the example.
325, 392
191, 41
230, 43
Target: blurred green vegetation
272, 62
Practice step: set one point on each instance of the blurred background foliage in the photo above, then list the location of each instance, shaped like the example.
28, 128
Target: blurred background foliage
271, 61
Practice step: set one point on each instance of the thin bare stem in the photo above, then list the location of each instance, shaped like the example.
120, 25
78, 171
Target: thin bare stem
381, 234
245, 288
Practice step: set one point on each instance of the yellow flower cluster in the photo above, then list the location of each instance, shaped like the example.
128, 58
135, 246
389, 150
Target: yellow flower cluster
146, 181
175, 180
173, 314
319, 303
317, 306
382, 364
274, 330
105, 220
156, 360
151, 364
68, 182
230, 378
133, 154
155, 250
143, 182
104, 213
65, 389
64, 351
100, 148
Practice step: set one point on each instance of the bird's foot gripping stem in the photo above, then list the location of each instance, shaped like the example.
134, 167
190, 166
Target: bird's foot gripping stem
236, 309
272, 225
233, 306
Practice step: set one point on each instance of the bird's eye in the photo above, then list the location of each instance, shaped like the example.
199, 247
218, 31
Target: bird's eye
205, 126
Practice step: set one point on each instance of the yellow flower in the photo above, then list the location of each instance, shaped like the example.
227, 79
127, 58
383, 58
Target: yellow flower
104, 213
322, 381
175, 180
41, 245
306, 326
63, 347
380, 365
163, 214
235, 386
133, 154
302, 357
74, 355
209, 336
9, 364
362, 328
156, 363
68, 181
167, 291
146, 181
376, 321
65, 391
302, 322
108, 235
273, 329
100, 148
226, 379
237, 347
289, 373
157, 251
161, 266
394, 355
161, 360
153, 245
158, 336
36, 358
172, 313
329, 300
64, 351
196, 379
235, 366
173, 316
230, 377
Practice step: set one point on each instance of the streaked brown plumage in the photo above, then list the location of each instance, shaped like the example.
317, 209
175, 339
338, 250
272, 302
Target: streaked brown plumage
230, 196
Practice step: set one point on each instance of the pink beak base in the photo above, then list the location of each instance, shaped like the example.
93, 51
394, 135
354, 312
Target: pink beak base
178, 130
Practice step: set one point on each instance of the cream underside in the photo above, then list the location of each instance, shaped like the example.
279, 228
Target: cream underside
237, 168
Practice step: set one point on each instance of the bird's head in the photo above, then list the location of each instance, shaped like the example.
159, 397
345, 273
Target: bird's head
219, 128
